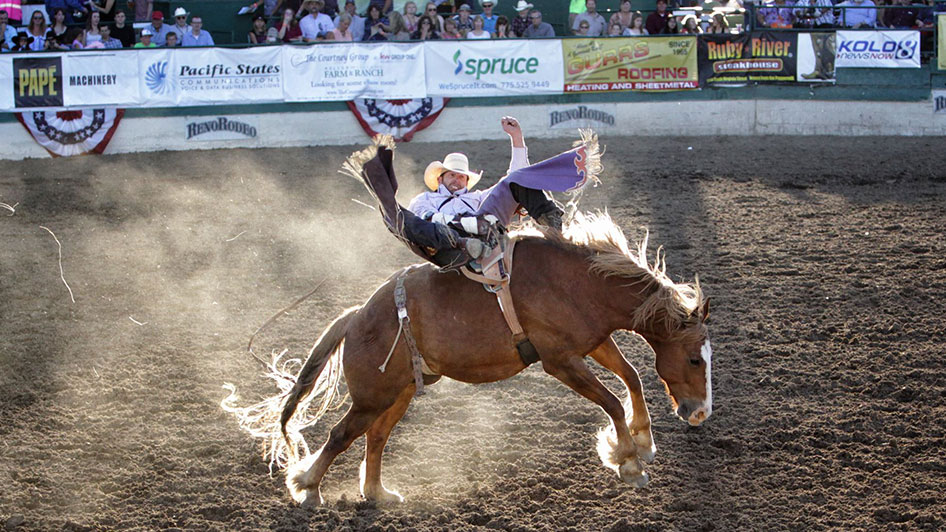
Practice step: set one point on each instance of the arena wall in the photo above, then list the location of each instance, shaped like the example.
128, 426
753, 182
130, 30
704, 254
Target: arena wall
336, 125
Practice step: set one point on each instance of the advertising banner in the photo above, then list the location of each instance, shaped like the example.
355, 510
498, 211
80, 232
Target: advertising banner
6, 81
156, 87
878, 49
37, 81
632, 63
760, 57
221, 75
100, 78
493, 68
342, 72
816, 57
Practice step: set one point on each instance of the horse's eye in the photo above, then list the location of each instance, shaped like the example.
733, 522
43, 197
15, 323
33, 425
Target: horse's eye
695, 362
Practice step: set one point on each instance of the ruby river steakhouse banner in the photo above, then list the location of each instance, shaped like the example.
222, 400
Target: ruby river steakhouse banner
759, 57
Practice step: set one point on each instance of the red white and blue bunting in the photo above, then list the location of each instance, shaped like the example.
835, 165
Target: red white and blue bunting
67, 133
398, 118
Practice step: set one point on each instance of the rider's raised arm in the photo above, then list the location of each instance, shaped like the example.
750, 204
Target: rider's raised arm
520, 154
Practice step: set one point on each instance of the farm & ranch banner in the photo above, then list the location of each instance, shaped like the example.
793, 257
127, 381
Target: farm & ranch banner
759, 57
631, 63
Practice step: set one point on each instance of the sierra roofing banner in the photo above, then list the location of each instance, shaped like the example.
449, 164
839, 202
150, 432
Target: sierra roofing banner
630, 63
878, 49
342, 72
493, 68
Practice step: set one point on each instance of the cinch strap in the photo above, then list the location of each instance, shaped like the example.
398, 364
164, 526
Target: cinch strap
404, 326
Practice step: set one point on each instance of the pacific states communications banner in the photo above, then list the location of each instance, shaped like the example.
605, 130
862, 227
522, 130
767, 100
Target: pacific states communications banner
762, 57
630, 63
343, 72
878, 49
203, 76
493, 68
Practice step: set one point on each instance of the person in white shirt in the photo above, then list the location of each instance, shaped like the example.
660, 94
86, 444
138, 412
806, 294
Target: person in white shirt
315, 25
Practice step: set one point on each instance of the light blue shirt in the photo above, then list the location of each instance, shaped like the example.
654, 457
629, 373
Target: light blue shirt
463, 202
489, 23
8, 35
852, 17
204, 39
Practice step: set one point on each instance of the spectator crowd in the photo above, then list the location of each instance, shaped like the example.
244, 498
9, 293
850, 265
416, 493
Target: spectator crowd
83, 24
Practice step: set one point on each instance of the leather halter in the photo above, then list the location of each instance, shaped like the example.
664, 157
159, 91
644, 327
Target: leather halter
497, 274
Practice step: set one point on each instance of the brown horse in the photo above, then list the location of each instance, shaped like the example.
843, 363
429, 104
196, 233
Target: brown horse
571, 291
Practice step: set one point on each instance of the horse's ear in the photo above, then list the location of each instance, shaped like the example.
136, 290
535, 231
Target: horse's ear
705, 310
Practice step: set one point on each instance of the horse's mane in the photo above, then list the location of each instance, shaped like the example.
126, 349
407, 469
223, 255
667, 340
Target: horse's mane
676, 304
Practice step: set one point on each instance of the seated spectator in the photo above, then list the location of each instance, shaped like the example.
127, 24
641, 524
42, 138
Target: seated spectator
672, 27
425, 30
272, 35
123, 32
718, 24
316, 24
37, 31
901, 18
91, 33
7, 32
146, 39
538, 28
503, 29
463, 20
657, 21
171, 41
582, 28
489, 19
431, 11
374, 25
637, 26
815, 14
410, 16
615, 29
596, 23
107, 40
197, 36
357, 27
342, 31
396, 28
731, 9
53, 43
59, 27
450, 29
622, 17
778, 14
478, 31
180, 26
691, 26
22, 42
159, 30
864, 17
257, 34
521, 22
288, 28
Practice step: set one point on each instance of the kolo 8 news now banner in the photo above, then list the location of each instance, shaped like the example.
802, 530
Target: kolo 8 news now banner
878, 49
630, 63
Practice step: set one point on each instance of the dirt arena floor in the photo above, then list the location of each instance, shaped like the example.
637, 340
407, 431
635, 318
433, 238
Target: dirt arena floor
824, 258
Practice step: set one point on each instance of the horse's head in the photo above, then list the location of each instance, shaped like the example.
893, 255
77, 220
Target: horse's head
684, 363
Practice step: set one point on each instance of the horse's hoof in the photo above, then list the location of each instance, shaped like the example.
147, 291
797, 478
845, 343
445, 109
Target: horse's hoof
385, 497
633, 473
312, 500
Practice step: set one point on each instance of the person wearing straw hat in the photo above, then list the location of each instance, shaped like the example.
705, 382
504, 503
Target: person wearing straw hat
521, 22
445, 224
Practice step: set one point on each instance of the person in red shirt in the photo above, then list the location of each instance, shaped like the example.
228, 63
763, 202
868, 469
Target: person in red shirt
657, 21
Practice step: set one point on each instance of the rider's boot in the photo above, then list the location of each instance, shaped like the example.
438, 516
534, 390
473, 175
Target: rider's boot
552, 219
473, 247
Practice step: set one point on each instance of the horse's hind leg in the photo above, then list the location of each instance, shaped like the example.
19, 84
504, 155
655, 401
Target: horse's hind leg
375, 440
621, 454
609, 355
304, 478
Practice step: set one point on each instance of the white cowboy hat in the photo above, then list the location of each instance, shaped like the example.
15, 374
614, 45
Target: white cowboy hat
180, 12
522, 5
454, 162
494, 2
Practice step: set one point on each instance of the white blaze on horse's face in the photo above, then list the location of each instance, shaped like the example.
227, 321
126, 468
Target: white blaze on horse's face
705, 410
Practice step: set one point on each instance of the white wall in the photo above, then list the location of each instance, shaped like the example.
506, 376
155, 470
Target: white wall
729, 117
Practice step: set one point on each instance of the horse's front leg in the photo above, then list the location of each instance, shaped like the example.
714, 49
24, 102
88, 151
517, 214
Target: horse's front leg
609, 355
617, 450
375, 440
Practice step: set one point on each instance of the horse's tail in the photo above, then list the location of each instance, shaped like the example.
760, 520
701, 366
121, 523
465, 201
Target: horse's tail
304, 399
313, 383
